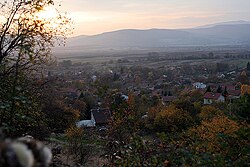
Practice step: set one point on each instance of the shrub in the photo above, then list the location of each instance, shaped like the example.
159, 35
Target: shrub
172, 119
76, 145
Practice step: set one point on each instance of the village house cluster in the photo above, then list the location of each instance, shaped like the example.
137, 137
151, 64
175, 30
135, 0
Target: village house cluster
164, 84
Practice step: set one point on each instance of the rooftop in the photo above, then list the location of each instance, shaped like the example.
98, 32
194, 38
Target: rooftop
101, 115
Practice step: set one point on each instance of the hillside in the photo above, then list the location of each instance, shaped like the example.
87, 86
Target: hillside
216, 35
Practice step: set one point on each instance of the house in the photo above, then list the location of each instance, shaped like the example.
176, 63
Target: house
100, 117
125, 97
234, 94
211, 97
94, 78
85, 123
222, 76
232, 72
199, 85
228, 87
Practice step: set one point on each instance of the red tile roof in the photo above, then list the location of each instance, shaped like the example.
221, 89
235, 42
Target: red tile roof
229, 87
234, 92
211, 95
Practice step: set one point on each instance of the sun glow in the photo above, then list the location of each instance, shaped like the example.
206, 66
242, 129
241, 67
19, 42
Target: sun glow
49, 16
47, 13
54, 20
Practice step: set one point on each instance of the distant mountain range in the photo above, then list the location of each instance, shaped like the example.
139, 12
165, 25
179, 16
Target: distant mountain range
227, 33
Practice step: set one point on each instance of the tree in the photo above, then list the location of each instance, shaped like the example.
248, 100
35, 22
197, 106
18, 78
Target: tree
81, 106
225, 92
219, 89
59, 116
20, 110
241, 108
209, 112
66, 63
25, 44
196, 96
248, 66
173, 119
25, 37
243, 78
211, 130
211, 55
220, 67
209, 89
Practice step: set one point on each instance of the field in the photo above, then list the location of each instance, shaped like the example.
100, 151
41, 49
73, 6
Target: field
156, 57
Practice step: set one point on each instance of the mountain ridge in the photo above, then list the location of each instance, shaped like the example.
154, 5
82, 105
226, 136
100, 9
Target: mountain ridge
227, 33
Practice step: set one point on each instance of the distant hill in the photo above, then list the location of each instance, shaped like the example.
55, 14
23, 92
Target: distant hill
225, 23
228, 33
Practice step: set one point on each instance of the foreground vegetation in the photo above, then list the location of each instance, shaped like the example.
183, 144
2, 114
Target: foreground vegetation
183, 133
143, 131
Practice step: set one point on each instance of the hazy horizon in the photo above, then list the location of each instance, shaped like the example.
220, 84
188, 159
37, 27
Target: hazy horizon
183, 28
98, 16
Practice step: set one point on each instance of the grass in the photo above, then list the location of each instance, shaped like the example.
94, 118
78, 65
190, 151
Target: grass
88, 139
61, 138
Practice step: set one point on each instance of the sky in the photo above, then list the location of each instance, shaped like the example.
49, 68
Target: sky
98, 16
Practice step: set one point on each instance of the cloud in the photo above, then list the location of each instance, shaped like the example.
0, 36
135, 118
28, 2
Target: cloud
96, 16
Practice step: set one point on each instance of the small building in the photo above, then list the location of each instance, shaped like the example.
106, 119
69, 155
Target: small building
228, 87
125, 97
100, 117
222, 76
234, 94
94, 78
211, 97
199, 85
85, 123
